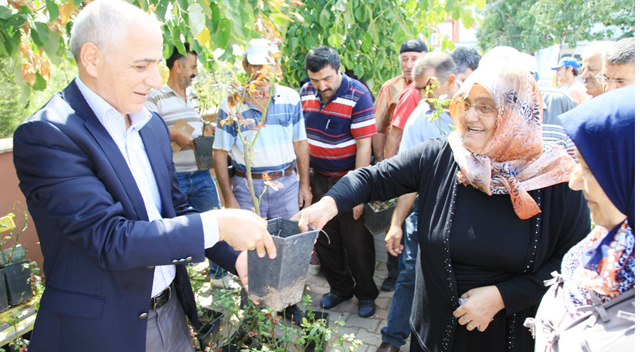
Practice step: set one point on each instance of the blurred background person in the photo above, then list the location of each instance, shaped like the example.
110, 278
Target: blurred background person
567, 72
592, 57
467, 60
619, 65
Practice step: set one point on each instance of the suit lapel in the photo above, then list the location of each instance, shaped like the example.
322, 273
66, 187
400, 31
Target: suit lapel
75, 99
154, 151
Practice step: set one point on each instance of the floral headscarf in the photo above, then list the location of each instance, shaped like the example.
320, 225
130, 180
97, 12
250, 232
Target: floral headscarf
515, 159
603, 130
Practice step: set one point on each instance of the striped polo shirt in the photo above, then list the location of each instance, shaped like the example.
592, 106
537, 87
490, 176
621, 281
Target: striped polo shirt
171, 107
273, 150
333, 127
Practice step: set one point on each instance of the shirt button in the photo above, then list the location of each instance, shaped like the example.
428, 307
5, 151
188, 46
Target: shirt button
143, 316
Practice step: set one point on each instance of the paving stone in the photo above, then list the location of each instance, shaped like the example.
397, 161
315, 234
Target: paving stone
369, 324
383, 302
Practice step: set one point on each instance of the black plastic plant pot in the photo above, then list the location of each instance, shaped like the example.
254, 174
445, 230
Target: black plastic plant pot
4, 298
312, 346
18, 285
377, 222
279, 283
204, 152
210, 329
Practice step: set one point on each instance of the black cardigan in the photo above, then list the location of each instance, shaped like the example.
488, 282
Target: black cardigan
429, 169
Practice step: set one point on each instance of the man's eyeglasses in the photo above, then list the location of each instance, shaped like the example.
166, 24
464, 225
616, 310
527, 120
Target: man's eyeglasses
481, 109
429, 83
602, 79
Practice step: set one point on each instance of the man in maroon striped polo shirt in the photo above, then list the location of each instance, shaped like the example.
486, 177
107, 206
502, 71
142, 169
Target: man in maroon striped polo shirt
340, 123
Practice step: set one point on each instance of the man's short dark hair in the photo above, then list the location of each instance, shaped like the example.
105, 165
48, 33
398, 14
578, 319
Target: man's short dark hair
622, 52
318, 58
177, 56
465, 57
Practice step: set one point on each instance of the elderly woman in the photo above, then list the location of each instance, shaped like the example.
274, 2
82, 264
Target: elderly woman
602, 266
495, 216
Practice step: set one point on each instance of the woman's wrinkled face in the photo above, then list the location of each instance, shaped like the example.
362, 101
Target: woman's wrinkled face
603, 211
478, 119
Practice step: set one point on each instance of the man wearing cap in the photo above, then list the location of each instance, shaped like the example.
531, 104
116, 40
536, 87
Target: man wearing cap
383, 108
592, 57
619, 65
567, 71
407, 102
338, 113
176, 101
281, 143
390, 92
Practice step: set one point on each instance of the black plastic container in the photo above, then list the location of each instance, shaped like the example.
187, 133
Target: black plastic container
4, 298
18, 283
204, 152
210, 329
377, 222
279, 283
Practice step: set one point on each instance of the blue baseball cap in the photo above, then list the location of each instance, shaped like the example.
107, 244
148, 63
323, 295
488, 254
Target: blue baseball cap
567, 61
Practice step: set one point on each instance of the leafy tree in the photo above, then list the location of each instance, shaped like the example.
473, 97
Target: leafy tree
9, 105
530, 25
367, 33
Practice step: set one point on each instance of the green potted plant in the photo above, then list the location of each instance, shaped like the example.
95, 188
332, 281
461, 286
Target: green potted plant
16, 270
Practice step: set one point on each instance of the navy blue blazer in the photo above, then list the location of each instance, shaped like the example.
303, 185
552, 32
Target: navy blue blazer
99, 247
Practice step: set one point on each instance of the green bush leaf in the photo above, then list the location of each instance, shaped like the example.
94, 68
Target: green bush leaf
54, 12
196, 19
224, 33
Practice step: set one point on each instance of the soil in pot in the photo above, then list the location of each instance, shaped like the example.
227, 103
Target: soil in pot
279, 283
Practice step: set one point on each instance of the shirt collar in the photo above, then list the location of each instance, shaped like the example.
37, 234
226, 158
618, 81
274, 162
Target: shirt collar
102, 109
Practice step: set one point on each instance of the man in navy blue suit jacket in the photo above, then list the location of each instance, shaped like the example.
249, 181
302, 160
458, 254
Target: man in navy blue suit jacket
116, 232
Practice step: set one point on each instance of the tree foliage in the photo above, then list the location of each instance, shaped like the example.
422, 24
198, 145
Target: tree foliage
530, 25
367, 33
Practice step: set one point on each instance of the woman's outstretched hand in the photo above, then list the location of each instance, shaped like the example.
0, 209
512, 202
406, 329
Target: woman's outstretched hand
317, 215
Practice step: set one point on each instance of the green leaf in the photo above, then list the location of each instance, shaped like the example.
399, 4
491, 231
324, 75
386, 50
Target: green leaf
360, 13
366, 42
43, 31
215, 16
335, 40
52, 46
480, 4
206, 9
449, 5
77, 3
196, 19
358, 71
161, 9
224, 33
324, 18
5, 13
467, 20
54, 12
40, 84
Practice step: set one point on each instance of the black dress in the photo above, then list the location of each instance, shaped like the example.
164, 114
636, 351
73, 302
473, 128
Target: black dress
469, 239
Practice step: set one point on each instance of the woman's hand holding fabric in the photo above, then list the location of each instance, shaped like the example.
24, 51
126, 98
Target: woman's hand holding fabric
481, 306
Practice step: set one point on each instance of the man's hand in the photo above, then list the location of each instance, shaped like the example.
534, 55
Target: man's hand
244, 230
242, 268
183, 139
316, 215
481, 306
304, 196
357, 211
230, 202
393, 239
210, 129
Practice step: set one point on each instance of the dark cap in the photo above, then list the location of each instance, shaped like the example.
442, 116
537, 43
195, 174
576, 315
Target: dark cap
416, 45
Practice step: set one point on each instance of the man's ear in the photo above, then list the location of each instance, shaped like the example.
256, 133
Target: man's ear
451, 82
245, 66
177, 65
91, 58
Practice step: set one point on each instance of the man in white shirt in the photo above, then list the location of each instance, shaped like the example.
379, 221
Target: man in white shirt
116, 232
177, 101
